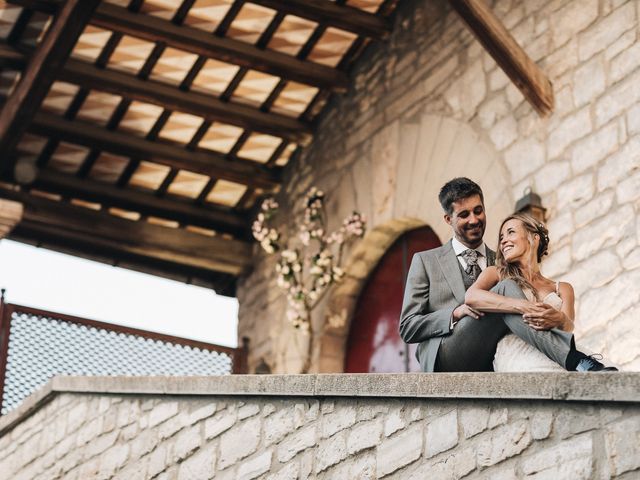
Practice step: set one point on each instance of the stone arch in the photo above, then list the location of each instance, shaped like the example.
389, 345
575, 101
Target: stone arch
398, 184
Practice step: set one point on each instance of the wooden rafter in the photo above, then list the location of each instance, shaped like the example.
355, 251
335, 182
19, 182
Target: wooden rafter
222, 221
100, 229
153, 29
227, 50
11, 59
117, 114
206, 106
10, 214
185, 85
43, 6
222, 283
262, 43
90, 76
331, 15
508, 54
39, 74
208, 163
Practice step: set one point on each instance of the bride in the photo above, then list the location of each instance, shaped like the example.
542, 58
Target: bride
549, 304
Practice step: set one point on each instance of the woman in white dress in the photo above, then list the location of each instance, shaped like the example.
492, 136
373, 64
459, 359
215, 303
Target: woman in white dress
522, 244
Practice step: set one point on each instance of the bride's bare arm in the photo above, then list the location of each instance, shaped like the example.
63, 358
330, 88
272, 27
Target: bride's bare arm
552, 318
568, 300
480, 298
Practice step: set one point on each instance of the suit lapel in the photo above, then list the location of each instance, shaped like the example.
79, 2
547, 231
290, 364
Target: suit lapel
449, 264
491, 257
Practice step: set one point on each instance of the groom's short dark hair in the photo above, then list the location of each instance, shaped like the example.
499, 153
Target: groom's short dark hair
457, 189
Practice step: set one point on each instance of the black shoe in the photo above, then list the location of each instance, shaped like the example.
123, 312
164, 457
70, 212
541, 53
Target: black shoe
590, 364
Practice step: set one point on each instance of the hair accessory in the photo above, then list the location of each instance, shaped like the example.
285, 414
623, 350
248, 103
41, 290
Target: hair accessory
544, 240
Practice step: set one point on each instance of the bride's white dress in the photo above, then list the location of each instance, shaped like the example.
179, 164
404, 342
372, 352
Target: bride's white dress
515, 355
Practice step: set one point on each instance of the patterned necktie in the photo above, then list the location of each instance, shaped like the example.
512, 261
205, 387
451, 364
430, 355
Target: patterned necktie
471, 257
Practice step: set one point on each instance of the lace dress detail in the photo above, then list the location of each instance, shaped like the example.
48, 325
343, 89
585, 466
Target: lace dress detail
515, 355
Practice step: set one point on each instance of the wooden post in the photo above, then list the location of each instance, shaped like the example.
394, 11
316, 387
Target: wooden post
241, 358
5, 323
496, 39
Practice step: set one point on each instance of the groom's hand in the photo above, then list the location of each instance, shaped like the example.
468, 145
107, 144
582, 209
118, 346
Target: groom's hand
545, 318
465, 310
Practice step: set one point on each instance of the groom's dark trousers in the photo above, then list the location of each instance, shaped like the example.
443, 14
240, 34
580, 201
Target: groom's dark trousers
434, 288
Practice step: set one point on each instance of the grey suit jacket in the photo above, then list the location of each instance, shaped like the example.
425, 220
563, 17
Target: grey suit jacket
434, 289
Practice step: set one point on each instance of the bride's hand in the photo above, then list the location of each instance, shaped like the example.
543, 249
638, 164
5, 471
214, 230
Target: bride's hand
544, 318
525, 307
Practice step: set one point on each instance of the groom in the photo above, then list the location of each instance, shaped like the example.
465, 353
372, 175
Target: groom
452, 336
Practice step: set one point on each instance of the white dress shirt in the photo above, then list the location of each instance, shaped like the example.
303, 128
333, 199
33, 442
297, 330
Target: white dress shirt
458, 247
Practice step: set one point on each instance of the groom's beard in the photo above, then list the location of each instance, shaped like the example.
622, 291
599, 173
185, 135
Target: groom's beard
473, 234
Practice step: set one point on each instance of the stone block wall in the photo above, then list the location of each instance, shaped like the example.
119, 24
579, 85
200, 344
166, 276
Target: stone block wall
271, 436
430, 104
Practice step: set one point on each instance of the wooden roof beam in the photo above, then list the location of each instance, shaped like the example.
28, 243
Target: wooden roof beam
330, 14
222, 283
184, 212
196, 41
206, 106
213, 164
99, 229
12, 59
199, 104
10, 215
43, 6
153, 29
514, 61
39, 74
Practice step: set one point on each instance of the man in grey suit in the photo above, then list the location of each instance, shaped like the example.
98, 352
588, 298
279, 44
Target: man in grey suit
452, 336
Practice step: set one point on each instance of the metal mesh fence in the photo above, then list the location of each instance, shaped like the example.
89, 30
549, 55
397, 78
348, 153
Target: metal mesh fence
41, 346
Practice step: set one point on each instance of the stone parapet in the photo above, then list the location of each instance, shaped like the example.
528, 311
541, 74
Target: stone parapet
395, 426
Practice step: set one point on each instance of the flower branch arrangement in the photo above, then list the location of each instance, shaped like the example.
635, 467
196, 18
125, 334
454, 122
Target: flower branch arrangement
311, 261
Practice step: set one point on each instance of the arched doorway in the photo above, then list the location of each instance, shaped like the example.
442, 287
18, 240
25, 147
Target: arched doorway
373, 344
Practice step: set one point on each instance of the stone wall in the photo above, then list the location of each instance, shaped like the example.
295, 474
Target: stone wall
252, 430
430, 104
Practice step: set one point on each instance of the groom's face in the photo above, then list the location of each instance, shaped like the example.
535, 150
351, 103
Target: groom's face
468, 220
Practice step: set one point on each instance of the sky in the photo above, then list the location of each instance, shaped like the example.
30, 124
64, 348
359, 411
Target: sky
40, 278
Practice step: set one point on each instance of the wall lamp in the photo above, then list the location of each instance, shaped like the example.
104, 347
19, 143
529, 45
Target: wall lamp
531, 203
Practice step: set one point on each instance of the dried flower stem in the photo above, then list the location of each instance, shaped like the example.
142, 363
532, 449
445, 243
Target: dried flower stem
305, 272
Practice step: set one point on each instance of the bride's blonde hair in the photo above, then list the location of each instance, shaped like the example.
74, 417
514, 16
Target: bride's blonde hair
512, 270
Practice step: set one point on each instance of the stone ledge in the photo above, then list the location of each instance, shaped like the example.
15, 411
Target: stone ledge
565, 386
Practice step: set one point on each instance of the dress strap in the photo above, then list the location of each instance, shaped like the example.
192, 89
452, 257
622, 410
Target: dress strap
558, 288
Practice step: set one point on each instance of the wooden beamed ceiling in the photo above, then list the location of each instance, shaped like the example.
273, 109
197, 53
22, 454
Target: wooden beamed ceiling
40, 72
62, 226
194, 103
204, 162
121, 20
140, 238
212, 109
148, 131
333, 14
175, 208
325, 12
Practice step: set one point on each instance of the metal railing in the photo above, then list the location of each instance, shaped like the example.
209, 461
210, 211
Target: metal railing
37, 344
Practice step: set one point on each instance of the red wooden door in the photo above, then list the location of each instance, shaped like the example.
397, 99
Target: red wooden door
374, 344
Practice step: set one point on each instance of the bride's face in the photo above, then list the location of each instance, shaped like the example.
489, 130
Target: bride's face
514, 241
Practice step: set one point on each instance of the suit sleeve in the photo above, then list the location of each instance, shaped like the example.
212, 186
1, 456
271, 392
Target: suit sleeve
417, 323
